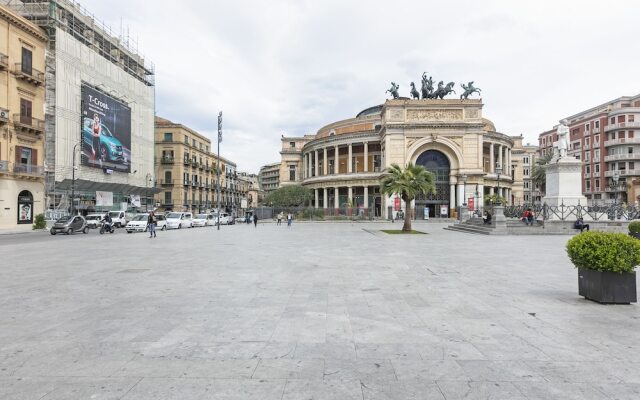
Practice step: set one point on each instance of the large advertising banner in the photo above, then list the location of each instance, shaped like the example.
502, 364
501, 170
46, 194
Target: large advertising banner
106, 131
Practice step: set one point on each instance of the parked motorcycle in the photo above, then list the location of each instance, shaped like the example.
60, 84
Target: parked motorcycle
106, 227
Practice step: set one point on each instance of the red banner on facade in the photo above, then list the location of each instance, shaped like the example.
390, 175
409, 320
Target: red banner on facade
396, 204
470, 203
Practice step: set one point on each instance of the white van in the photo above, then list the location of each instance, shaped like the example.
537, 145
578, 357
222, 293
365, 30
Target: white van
179, 220
118, 218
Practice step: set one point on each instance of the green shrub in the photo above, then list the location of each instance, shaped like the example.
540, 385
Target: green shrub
604, 251
634, 227
39, 223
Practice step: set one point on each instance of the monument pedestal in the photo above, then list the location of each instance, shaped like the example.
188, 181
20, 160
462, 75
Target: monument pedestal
499, 220
564, 183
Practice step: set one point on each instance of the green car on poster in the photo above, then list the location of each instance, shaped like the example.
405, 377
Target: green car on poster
111, 148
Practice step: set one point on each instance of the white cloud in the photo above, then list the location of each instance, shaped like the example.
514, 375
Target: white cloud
290, 67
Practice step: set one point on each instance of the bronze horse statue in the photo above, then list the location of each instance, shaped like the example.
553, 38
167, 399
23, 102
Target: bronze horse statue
394, 90
414, 92
443, 90
469, 90
427, 86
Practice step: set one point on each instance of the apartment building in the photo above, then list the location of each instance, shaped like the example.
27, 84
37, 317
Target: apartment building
22, 62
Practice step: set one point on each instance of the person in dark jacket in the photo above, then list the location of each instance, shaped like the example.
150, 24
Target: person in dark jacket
255, 220
151, 225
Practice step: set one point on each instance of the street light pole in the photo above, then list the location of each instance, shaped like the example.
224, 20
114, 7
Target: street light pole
73, 179
498, 172
219, 140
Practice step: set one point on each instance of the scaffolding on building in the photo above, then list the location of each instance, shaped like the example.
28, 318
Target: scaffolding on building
75, 20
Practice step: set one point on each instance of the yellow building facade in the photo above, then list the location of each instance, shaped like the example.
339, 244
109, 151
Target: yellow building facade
22, 61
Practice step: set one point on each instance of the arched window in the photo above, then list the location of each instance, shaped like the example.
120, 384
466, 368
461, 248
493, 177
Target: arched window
438, 164
25, 207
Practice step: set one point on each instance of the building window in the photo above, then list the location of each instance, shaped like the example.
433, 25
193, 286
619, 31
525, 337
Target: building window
587, 169
186, 139
630, 150
597, 184
525, 172
195, 143
168, 137
632, 165
613, 120
526, 184
596, 124
292, 173
167, 198
27, 57
587, 184
596, 154
586, 127
631, 118
586, 156
596, 140
586, 142
525, 160
596, 168
292, 145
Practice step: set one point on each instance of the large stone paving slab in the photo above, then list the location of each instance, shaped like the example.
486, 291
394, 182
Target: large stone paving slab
316, 311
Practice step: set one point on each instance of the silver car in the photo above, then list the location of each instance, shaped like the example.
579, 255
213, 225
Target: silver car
69, 225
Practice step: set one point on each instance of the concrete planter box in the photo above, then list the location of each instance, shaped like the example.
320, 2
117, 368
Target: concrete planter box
607, 287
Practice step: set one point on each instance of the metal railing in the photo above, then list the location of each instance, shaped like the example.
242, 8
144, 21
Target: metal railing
167, 160
28, 169
564, 213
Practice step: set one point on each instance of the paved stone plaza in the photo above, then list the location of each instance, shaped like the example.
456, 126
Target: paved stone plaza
319, 311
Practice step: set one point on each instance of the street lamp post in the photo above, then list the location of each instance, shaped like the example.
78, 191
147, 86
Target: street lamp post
219, 140
147, 184
498, 172
73, 180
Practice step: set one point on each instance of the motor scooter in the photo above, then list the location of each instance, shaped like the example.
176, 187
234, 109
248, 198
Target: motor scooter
106, 227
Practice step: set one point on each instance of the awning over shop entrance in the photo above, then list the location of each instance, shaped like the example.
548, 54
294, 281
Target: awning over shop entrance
90, 186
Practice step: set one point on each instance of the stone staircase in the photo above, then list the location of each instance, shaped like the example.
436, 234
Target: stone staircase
473, 225
476, 226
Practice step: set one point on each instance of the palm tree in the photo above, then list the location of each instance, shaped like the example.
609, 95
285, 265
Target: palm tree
407, 183
539, 171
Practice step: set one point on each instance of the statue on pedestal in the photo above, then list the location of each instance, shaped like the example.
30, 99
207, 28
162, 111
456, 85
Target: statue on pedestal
563, 141
469, 89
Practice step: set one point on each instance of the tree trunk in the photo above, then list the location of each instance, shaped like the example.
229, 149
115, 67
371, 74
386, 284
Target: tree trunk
407, 217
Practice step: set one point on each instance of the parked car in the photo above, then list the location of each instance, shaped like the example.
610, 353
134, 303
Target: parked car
94, 220
118, 218
70, 224
225, 219
241, 219
200, 220
139, 223
111, 149
211, 220
178, 220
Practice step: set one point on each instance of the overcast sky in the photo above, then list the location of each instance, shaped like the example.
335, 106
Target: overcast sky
290, 67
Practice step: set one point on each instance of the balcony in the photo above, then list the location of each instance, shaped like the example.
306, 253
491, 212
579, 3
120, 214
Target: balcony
4, 62
615, 142
31, 75
622, 157
186, 161
167, 160
169, 182
27, 169
596, 130
587, 175
621, 125
201, 166
29, 124
186, 183
194, 164
623, 172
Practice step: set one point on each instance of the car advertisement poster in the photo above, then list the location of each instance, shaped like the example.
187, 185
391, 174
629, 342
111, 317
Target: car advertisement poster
106, 131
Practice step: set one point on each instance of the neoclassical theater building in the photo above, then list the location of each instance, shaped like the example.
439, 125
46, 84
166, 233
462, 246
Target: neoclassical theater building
343, 161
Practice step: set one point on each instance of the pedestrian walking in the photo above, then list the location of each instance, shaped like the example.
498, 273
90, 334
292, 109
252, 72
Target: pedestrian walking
280, 216
255, 220
289, 220
151, 224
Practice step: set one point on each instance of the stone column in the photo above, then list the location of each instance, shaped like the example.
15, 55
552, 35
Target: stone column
317, 197
459, 196
491, 192
336, 200
452, 198
336, 160
349, 167
325, 165
492, 163
325, 196
480, 199
350, 198
500, 158
304, 165
317, 171
366, 197
366, 157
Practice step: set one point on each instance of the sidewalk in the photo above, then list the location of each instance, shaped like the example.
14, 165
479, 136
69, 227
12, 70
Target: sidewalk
19, 231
